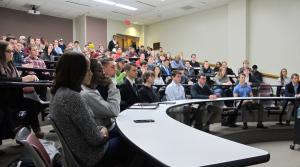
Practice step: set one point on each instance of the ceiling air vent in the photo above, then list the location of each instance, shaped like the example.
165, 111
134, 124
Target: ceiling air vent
121, 13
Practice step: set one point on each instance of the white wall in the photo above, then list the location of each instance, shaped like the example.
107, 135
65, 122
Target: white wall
118, 27
203, 33
274, 35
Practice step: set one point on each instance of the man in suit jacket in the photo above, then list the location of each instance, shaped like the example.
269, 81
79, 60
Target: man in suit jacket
165, 70
292, 89
112, 44
128, 89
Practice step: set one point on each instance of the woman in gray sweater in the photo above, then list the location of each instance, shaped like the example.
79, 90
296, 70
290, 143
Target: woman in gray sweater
88, 142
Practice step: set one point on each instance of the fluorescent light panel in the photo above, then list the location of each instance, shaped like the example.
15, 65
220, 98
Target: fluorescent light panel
125, 6
116, 4
106, 2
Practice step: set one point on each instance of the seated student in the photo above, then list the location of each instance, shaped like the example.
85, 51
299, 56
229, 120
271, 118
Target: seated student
120, 74
292, 89
128, 89
146, 92
165, 69
35, 62
250, 79
48, 53
89, 143
282, 81
244, 90
211, 113
246, 65
109, 71
138, 63
158, 79
175, 91
189, 70
256, 74
104, 110
222, 82
217, 67
177, 62
12, 98
229, 71
18, 59
193, 61
206, 69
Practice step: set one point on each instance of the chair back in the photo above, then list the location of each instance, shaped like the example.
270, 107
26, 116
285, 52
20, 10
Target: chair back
69, 158
34, 147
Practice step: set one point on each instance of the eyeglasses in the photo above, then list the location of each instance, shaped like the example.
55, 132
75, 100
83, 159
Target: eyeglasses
9, 51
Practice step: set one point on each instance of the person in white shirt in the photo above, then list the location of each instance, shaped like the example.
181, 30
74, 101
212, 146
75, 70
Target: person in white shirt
175, 91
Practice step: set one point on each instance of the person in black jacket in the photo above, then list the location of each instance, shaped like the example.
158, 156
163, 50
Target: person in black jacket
128, 89
292, 89
208, 113
146, 92
12, 98
112, 44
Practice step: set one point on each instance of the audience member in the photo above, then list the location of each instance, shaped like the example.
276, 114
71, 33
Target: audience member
244, 90
256, 74
246, 65
209, 113
217, 67
57, 49
177, 62
48, 53
292, 89
282, 81
175, 91
13, 98
76, 47
222, 88
193, 61
146, 92
128, 89
62, 45
18, 58
206, 69
120, 74
105, 110
70, 112
157, 76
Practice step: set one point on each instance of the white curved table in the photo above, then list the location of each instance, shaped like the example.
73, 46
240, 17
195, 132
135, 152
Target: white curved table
175, 144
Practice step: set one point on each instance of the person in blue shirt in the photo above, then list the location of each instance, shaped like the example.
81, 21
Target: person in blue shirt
177, 62
244, 90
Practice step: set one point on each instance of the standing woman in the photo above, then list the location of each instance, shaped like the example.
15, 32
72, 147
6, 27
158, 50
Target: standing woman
12, 98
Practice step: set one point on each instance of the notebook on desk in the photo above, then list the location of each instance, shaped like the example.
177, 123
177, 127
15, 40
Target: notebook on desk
144, 106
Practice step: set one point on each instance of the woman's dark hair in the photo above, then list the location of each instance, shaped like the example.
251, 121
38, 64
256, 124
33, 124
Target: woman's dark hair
70, 71
98, 77
3, 47
159, 74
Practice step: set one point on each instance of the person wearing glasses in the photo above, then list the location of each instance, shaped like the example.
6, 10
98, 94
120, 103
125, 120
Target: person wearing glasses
11, 98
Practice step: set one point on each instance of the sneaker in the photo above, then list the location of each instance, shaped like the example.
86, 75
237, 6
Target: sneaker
245, 125
261, 126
